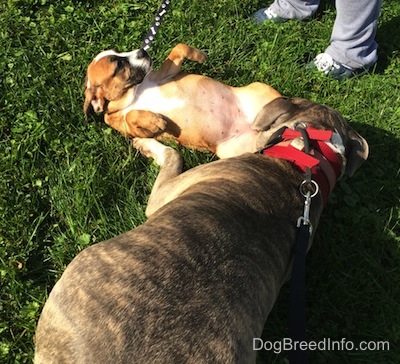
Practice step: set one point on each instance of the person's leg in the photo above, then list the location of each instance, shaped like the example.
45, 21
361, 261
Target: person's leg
282, 10
353, 36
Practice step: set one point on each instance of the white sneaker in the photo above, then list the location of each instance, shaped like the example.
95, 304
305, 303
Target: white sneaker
266, 14
326, 64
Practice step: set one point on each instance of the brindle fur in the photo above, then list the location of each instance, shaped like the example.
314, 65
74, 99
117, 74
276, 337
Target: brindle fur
196, 282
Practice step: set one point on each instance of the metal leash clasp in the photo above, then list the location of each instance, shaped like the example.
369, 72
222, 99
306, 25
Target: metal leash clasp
308, 189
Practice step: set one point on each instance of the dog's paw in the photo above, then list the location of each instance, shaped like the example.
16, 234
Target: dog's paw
153, 126
151, 148
201, 56
144, 124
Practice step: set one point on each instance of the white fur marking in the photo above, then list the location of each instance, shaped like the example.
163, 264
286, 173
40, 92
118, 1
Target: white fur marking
151, 148
97, 105
148, 97
105, 54
132, 57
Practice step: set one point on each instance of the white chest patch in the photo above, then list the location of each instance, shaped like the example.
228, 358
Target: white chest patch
148, 97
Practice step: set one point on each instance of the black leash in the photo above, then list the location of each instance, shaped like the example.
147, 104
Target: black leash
297, 300
162, 10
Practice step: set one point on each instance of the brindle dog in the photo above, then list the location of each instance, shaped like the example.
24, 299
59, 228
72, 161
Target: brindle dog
196, 282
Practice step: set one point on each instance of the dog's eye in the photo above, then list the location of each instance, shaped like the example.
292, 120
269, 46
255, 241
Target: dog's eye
119, 62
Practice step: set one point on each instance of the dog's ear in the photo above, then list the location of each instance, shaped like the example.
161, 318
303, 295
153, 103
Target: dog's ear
94, 101
87, 106
275, 112
357, 150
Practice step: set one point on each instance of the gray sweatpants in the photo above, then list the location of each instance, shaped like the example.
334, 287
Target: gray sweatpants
353, 36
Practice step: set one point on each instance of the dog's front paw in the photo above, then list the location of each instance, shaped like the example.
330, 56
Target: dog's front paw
154, 125
151, 148
144, 124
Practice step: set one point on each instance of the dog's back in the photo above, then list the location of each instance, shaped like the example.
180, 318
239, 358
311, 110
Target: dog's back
191, 285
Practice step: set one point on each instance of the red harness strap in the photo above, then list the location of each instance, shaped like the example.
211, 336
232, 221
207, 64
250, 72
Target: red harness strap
324, 164
313, 134
293, 155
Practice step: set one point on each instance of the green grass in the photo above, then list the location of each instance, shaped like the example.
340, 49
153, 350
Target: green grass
67, 183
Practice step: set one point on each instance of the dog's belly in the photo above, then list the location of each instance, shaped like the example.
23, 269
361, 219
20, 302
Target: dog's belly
203, 109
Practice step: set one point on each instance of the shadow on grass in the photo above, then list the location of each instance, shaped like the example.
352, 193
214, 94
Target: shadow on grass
388, 38
352, 268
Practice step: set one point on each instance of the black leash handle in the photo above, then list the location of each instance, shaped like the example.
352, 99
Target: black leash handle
162, 10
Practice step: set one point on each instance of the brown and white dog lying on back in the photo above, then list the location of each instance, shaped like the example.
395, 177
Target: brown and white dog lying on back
195, 283
196, 111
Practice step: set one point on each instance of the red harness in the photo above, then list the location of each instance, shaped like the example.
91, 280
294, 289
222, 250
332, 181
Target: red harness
323, 162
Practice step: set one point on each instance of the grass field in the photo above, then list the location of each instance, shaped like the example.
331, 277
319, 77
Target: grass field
67, 183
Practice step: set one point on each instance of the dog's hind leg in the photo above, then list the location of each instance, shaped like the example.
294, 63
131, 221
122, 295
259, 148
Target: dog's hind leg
170, 163
173, 64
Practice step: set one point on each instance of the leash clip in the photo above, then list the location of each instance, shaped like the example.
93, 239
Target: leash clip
308, 189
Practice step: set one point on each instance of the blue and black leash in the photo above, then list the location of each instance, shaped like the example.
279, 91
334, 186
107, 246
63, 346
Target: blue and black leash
162, 10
